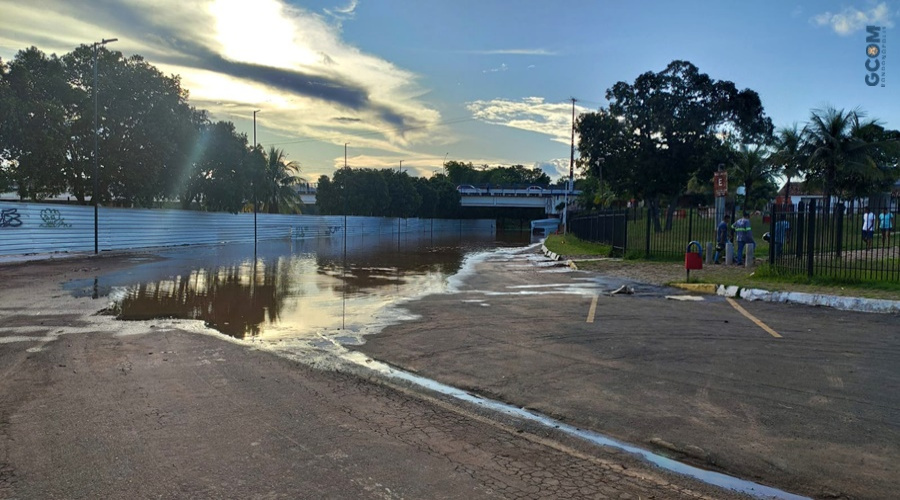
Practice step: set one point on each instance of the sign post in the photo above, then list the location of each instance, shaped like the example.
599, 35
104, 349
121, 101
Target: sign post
720, 188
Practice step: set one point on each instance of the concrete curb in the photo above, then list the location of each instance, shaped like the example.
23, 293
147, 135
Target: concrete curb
858, 304
548, 253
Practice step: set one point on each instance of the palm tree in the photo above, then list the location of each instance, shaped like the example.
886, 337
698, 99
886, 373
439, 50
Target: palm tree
836, 147
752, 167
789, 155
276, 190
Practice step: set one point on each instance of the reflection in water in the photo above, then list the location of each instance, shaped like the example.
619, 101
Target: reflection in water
300, 291
235, 300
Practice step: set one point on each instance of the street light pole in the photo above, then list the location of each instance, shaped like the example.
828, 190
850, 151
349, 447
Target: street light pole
345, 154
253, 184
571, 172
94, 197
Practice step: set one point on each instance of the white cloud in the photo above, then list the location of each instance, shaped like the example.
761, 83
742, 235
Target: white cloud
530, 113
502, 67
343, 13
850, 20
288, 62
515, 52
555, 169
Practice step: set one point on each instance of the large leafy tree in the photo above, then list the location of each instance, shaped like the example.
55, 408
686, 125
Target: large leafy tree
145, 129
666, 128
34, 125
220, 178
515, 175
388, 193
404, 198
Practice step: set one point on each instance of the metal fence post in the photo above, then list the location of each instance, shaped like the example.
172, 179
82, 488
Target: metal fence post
801, 228
839, 229
773, 215
691, 224
648, 234
811, 239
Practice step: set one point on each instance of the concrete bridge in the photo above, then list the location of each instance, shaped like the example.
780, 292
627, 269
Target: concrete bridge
531, 197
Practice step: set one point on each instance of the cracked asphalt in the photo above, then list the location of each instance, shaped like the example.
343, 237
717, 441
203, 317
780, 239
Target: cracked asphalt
92, 407
805, 399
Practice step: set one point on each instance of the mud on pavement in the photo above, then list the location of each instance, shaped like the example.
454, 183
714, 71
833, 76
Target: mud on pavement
97, 408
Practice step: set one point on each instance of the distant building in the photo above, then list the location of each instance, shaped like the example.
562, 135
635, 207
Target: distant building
800, 192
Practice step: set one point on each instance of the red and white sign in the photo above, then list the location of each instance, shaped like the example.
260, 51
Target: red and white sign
720, 184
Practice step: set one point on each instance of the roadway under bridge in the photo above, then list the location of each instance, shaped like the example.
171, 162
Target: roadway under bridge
548, 199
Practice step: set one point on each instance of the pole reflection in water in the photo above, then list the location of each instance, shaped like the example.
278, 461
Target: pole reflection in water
298, 289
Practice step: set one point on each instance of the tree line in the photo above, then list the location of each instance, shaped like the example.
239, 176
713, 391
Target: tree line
663, 136
391, 193
153, 146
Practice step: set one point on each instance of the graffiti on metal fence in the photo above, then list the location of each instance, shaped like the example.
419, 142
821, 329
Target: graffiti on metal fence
10, 217
302, 231
52, 218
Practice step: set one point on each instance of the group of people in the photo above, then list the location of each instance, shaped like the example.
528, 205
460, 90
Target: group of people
885, 224
743, 235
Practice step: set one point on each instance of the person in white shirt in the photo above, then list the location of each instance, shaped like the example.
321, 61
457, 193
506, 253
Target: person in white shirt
868, 227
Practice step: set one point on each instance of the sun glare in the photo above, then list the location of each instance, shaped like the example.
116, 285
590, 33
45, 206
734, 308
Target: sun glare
263, 33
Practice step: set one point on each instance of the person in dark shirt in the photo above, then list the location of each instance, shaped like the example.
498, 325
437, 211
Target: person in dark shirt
721, 237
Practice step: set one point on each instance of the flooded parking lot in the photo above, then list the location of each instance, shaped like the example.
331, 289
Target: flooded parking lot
695, 381
315, 290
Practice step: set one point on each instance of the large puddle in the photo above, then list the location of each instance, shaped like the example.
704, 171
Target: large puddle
293, 289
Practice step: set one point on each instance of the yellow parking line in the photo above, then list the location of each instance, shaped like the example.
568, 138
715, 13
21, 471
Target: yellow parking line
752, 318
593, 309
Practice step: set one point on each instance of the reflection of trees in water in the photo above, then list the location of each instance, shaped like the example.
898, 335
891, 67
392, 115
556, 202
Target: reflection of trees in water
234, 300
239, 301
381, 269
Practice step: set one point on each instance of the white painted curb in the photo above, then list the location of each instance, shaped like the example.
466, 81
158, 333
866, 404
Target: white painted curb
810, 299
548, 253
813, 299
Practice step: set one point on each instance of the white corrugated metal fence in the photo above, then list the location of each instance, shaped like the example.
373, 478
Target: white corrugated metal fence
30, 228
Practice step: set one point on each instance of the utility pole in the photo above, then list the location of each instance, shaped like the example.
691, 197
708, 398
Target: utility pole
253, 185
571, 173
400, 170
345, 154
94, 196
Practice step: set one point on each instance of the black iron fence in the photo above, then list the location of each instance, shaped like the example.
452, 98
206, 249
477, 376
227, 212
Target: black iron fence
639, 232
810, 240
835, 241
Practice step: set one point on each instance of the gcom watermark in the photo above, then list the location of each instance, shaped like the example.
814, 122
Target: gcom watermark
876, 52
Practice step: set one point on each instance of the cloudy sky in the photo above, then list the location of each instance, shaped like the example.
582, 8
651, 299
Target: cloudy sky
486, 81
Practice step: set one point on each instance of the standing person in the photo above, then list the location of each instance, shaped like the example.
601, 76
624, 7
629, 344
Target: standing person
721, 237
782, 234
743, 234
868, 227
886, 224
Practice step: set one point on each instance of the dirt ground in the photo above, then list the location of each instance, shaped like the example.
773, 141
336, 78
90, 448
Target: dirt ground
92, 407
